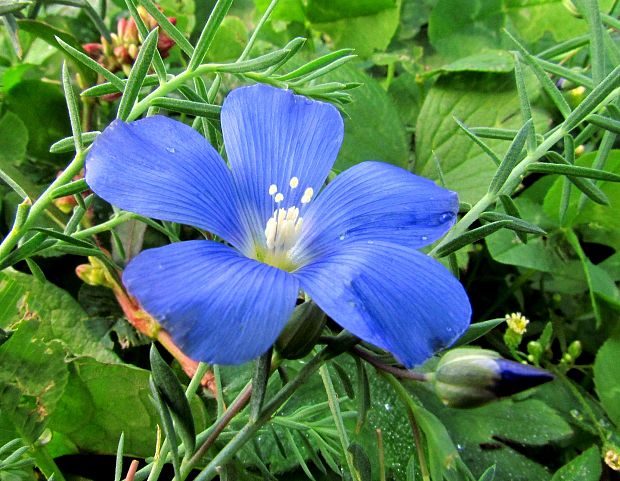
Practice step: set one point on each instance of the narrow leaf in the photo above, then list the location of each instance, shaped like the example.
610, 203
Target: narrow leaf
344, 380
9, 6
316, 64
199, 109
524, 102
73, 107
156, 61
297, 453
512, 157
363, 394
137, 74
604, 122
479, 141
470, 237
108, 88
67, 144
511, 209
208, 32
477, 330
594, 100
494, 133
168, 427
173, 395
584, 185
90, 63
63, 237
259, 384
118, 471
171, 30
489, 474
574, 171
361, 462
517, 224
545, 81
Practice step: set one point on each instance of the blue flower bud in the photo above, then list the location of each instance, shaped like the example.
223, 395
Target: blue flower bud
302, 331
469, 377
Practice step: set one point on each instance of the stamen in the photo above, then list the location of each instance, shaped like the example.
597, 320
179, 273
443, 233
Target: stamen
307, 197
279, 197
273, 188
294, 182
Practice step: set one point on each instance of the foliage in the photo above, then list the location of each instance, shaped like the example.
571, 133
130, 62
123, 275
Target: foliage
513, 104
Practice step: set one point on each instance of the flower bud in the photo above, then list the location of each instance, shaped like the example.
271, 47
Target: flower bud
469, 377
302, 331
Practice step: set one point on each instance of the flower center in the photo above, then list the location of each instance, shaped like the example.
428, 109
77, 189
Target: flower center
283, 228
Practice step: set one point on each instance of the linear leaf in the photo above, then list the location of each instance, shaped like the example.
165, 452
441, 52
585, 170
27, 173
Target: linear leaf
594, 100
168, 426
108, 88
574, 171
9, 6
511, 209
518, 225
512, 157
73, 107
171, 30
316, 64
90, 63
477, 330
524, 102
137, 75
75, 187
542, 77
67, 144
470, 237
199, 109
494, 133
604, 122
143, 31
208, 32
479, 141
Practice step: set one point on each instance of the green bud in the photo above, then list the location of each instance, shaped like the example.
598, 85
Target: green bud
535, 349
575, 349
302, 331
469, 377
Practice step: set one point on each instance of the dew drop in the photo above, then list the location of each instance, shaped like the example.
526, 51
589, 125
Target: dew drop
371, 242
424, 237
446, 216
388, 407
341, 237
171, 150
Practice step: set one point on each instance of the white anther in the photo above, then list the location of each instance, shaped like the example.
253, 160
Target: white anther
270, 232
307, 197
273, 188
294, 182
279, 197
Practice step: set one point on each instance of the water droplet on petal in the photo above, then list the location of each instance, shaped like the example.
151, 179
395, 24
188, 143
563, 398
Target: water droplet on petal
341, 237
445, 217
171, 150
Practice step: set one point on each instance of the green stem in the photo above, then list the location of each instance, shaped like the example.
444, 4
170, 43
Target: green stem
511, 183
250, 429
41, 204
46, 463
334, 407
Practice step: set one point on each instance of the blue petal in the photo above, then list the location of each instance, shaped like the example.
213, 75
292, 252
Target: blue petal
377, 202
392, 296
272, 135
162, 168
218, 306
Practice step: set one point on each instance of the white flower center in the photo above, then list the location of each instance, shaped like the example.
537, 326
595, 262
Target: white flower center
284, 226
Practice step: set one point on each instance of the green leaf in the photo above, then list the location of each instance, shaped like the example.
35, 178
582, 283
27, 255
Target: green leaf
13, 139
488, 100
473, 29
478, 330
605, 377
512, 157
208, 32
172, 31
532, 19
229, 41
199, 109
67, 144
47, 123
136, 76
585, 467
361, 462
373, 129
498, 61
357, 20
603, 225
61, 316
10, 6
605, 122
32, 380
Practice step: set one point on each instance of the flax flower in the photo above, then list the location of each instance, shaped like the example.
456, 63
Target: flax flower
351, 246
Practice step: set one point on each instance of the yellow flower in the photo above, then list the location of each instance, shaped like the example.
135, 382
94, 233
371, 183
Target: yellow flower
517, 322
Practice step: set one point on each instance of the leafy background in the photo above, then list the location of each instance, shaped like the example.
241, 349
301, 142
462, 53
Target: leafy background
74, 374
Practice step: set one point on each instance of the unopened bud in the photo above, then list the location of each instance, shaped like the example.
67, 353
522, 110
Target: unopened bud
95, 273
302, 331
535, 349
469, 377
575, 349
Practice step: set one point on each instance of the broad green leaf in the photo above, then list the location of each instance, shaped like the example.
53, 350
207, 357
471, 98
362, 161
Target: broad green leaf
499, 61
229, 41
373, 130
287, 10
585, 467
457, 31
354, 29
597, 223
32, 380
47, 123
606, 377
477, 100
13, 139
100, 402
61, 316
532, 19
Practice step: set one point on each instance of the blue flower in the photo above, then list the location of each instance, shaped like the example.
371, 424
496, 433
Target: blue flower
351, 246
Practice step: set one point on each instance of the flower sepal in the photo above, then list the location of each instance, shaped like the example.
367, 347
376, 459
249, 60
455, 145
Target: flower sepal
302, 331
470, 377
